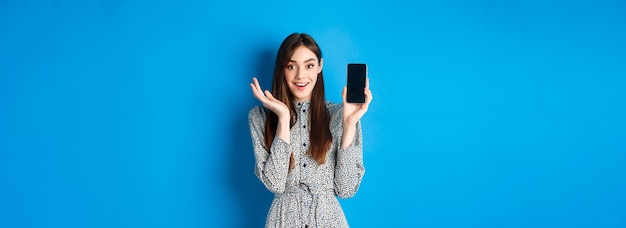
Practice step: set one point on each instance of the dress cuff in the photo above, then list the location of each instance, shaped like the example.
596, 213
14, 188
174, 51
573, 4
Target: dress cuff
280, 146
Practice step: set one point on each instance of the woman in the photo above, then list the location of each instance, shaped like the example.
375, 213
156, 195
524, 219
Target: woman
307, 150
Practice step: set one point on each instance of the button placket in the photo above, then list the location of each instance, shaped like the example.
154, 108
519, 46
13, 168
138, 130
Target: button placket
303, 121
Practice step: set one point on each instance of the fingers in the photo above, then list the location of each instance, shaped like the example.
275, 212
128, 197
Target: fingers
254, 91
263, 95
344, 92
256, 84
269, 95
362, 109
257, 91
368, 100
368, 94
258, 94
268, 100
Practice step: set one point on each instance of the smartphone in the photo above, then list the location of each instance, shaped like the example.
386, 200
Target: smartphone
357, 73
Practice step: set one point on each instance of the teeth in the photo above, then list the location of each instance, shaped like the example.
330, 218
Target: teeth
301, 84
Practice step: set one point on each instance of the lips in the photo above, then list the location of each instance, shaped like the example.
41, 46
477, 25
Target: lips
301, 85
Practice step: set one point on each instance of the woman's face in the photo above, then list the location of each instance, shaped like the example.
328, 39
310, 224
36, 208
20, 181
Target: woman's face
301, 73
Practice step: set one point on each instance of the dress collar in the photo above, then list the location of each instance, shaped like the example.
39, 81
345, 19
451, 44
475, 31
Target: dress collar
299, 103
302, 104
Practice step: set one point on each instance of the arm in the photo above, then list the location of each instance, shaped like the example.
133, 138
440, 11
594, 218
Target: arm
349, 169
271, 165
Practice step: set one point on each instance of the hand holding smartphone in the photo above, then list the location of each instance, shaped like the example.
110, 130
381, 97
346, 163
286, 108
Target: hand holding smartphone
357, 73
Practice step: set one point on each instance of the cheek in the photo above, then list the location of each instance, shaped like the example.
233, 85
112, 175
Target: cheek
289, 75
315, 75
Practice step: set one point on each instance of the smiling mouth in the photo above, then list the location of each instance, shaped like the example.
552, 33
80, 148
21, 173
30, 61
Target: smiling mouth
301, 84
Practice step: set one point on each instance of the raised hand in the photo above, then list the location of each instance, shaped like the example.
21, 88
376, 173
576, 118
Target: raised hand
276, 106
352, 112
268, 100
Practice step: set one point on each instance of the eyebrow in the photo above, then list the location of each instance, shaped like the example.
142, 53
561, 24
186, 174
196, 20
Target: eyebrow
308, 60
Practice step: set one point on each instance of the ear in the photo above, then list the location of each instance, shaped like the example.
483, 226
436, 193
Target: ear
321, 65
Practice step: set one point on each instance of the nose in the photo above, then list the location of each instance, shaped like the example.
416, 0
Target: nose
299, 74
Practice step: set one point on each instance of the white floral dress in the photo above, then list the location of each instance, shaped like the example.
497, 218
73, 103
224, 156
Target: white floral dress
306, 195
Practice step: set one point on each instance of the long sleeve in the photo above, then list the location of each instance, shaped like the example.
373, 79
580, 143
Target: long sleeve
271, 167
349, 168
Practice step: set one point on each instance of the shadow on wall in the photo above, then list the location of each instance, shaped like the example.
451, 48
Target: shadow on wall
253, 198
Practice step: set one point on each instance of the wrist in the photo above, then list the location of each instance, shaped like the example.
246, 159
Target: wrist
282, 130
284, 120
347, 123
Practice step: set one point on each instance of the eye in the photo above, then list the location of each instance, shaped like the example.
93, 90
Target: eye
291, 67
310, 66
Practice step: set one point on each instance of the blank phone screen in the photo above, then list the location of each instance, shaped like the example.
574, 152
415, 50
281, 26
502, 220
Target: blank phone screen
356, 83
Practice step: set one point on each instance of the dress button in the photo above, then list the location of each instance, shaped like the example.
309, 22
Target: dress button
303, 126
304, 165
304, 144
303, 110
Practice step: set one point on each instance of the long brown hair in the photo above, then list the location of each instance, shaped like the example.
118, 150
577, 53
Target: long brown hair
319, 132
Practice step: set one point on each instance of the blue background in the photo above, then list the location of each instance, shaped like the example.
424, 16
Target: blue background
486, 113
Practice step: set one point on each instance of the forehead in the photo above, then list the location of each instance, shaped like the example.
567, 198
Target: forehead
303, 54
